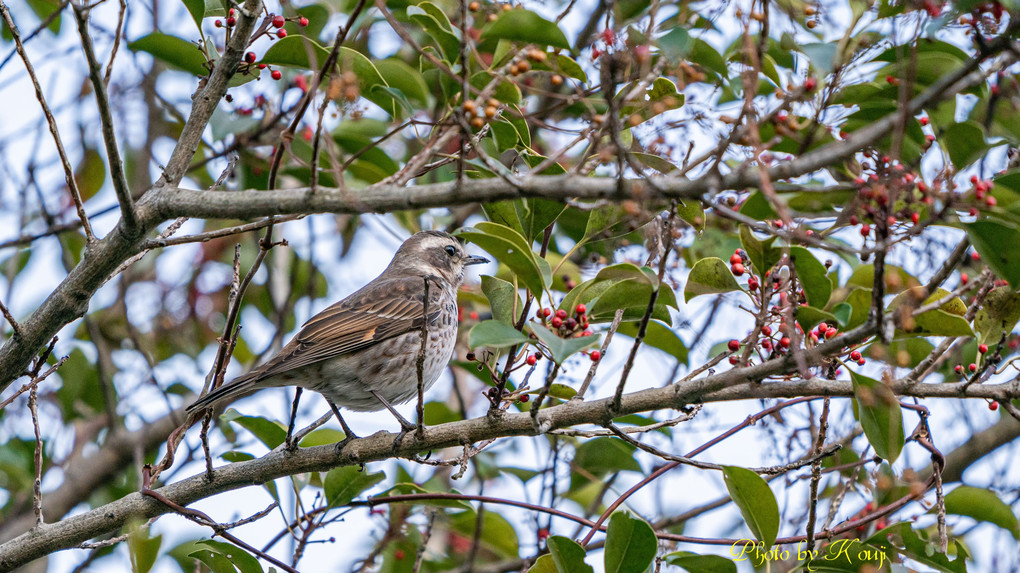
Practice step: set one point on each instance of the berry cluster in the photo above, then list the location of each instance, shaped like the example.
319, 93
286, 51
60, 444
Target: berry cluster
275, 21
738, 264
567, 326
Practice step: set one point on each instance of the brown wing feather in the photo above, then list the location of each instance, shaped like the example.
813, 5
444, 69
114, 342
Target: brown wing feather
380, 311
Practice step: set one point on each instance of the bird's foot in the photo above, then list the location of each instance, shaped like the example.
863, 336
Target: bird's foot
348, 438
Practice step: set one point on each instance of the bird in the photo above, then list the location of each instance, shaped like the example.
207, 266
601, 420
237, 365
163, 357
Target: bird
362, 353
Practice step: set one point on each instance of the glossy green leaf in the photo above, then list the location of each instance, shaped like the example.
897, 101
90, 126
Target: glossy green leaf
676, 44
658, 335
571, 68
409, 81
630, 544
562, 348
988, 238
176, 52
504, 301
197, 10
879, 413
812, 276
709, 276
526, 27
431, 19
238, 559
632, 296
544, 564
756, 502
268, 432
757, 206
495, 334
998, 315
947, 320
143, 550
345, 483
694, 563
497, 534
600, 456
965, 143
983, 505
567, 555
513, 250
809, 316
762, 254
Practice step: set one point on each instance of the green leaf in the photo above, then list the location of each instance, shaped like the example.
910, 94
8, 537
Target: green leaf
238, 559
404, 78
694, 563
812, 276
600, 456
879, 413
571, 68
982, 505
434, 22
411, 488
632, 296
321, 437
504, 301
946, 320
345, 483
143, 549
909, 542
676, 44
965, 143
174, 51
268, 432
562, 348
293, 51
630, 544
90, 173
762, 254
544, 564
43, 10
497, 535
658, 335
999, 314
495, 334
709, 276
513, 250
758, 207
757, 504
197, 10
526, 27
567, 555
988, 238
809, 316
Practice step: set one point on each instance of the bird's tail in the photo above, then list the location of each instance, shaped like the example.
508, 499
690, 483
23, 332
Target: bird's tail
236, 388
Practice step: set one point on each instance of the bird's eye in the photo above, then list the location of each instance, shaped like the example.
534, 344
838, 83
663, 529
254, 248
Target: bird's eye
450, 250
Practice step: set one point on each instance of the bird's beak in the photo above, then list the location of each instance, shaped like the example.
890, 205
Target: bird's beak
474, 260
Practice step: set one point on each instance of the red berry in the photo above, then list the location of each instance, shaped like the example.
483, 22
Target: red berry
831, 332
276, 75
855, 356
250, 57
595, 355
586, 333
473, 315
738, 269
531, 361
281, 33
865, 230
581, 309
810, 84
557, 322
924, 121
736, 260
398, 554
861, 362
262, 66
982, 348
525, 398
470, 356
915, 218
972, 367
302, 21
766, 330
991, 201
993, 406
561, 314
733, 345
734, 360
964, 279
218, 23
958, 369
231, 21
784, 342
278, 21
752, 283
543, 533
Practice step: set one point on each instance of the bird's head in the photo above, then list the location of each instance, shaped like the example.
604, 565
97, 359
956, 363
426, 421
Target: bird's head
434, 253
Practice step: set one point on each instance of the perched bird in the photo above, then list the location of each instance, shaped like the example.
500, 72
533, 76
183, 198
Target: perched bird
362, 352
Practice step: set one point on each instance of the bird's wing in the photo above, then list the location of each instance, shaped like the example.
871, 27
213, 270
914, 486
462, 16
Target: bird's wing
382, 310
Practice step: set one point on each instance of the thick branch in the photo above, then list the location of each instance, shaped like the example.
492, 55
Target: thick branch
730, 385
